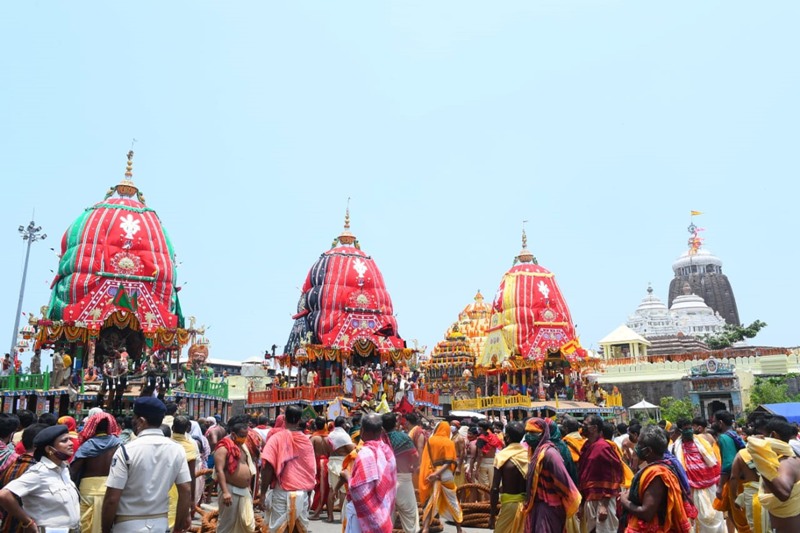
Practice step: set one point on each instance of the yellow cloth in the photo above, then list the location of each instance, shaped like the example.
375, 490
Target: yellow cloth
512, 514
574, 442
190, 448
188, 444
627, 473
443, 501
766, 455
787, 509
92, 491
173, 506
517, 454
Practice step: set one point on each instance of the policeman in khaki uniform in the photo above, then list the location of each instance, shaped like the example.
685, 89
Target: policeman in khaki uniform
141, 475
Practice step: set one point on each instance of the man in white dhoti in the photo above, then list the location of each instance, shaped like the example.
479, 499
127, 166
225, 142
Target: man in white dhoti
289, 476
703, 471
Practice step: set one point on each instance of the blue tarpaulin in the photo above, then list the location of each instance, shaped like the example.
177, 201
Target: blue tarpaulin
789, 410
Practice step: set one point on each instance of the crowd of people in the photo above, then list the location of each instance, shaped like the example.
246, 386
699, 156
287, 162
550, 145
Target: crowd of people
150, 471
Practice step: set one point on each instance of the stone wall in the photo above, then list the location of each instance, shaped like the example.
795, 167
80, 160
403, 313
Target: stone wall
652, 391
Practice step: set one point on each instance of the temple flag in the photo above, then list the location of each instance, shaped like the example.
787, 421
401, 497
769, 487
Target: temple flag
123, 300
695, 213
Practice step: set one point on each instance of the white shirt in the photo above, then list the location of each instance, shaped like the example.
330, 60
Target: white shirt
48, 494
154, 464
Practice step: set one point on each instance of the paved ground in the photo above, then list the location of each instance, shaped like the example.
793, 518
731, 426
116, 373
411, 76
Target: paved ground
321, 526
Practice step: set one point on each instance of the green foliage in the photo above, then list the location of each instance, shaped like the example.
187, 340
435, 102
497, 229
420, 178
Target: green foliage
770, 390
672, 409
732, 334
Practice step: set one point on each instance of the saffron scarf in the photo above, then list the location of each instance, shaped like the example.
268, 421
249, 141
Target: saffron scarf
438, 450
674, 518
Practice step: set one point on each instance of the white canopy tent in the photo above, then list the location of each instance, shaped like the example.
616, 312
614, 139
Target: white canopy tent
647, 407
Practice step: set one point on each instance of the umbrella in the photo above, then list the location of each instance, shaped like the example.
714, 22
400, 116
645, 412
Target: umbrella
645, 406
466, 414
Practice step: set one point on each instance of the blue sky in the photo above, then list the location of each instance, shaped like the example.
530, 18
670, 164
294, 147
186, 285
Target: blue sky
603, 123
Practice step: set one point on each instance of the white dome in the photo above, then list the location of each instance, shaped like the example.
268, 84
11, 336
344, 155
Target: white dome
690, 303
702, 257
694, 316
652, 318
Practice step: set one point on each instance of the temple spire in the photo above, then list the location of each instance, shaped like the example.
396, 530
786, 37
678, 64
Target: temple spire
346, 237
525, 256
126, 188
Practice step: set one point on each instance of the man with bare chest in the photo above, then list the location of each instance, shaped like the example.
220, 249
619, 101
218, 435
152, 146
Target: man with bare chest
322, 451
487, 445
509, 482
91, 464
235, 469
407, 460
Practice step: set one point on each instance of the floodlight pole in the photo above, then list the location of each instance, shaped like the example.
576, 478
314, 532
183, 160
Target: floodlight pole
30, 234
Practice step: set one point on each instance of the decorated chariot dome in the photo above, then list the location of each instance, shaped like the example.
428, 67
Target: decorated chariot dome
530, 318
116, 268
473, 321
344, 308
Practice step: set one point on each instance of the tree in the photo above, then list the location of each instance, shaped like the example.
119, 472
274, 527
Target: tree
731, 334
672, 409
770, 390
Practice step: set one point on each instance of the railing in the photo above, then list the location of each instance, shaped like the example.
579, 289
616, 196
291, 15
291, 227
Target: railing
316, 394
728, 353
294, 394
205, 386
15, 382
426, 397
493, 402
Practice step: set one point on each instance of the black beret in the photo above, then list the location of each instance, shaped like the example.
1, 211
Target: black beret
149, 406
47, 436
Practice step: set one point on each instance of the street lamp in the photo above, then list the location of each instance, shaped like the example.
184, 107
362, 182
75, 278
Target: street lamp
30, 234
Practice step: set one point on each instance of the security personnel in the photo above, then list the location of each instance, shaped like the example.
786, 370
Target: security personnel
141, 475
49, 496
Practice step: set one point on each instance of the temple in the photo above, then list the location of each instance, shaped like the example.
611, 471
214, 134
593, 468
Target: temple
702, 271
677, 330
660, 351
